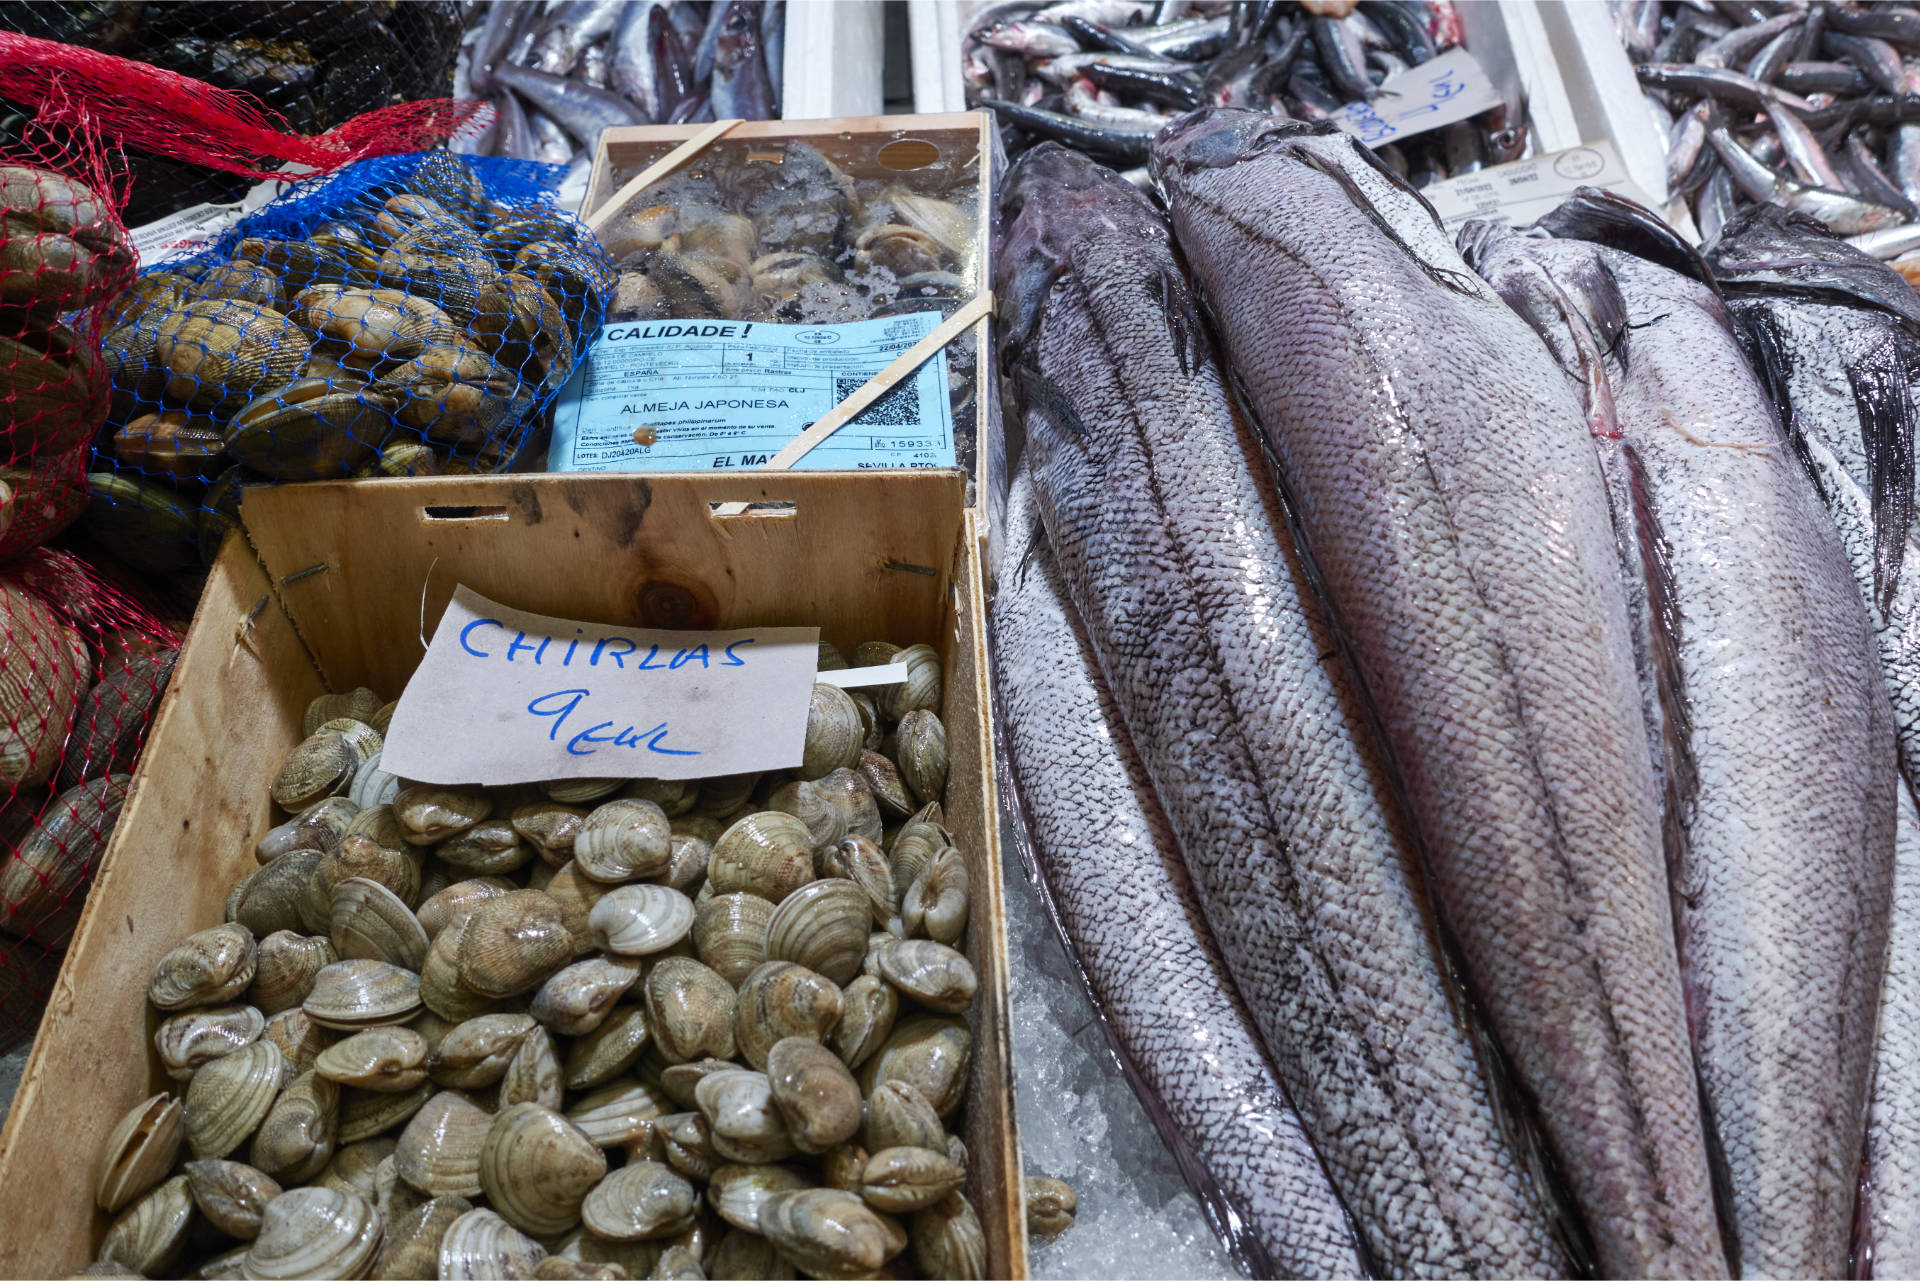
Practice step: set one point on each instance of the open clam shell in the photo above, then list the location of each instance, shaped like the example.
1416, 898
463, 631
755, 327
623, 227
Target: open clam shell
139, 1151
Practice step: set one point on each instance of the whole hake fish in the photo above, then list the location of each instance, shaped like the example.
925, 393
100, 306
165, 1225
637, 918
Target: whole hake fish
1453, 510
1782, 855
1174, 549
1119, 892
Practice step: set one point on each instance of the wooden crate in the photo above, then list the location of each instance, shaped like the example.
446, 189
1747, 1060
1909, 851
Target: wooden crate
930, 154
354, 574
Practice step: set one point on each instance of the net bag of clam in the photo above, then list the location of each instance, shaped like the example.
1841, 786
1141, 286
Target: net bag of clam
82, 669
408, 315
590, 1028
64, 254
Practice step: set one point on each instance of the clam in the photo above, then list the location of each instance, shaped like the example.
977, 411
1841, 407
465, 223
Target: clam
206, 968
441, 987
623, 840
900, 249
430, 813
744, 1253
525, 329
379, 823
730, 933
371, 922
482, 1246
357, 704
576, 893
861, 862
365, 1113
870, 1007
149, 1233
358, 854
736, 1192
687, 1143
231, 1196
550, 827
533, 1075
371, 784
779, 1000
582, 1254
843, 1167
189, 1040
389, 1060
720, 799
475, 1054
899, 1116
847, 792
642, 1200
936, 902
577, 999
744, 1123
674, 796
690, 1010
883, 780
923, 754
350, 995
286, 970
43, 877
680, 1080
617, 1113
512, 943
458, 901
817, 1097
687, 861
439, 1151
875, 653
912, 851
295, 1140
578, 791
779, 276
929, 1053
355, 1167
411, 1247
609, 1049
808, 802
490, 848
139, 1151
903, 1180
947, 1240
639, 920
827, 1232
768, 853
536, 1167
933, 974
834, 733
320, 765
921, 689
394, 1199
298, 1038
314, 1232
385, 323
678, 1263
822, 926
1050, 1206
220, 352
318, 827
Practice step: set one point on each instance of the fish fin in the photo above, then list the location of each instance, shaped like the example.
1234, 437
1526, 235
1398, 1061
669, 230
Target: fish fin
1039, 393
1885, 404
1188, 331
1458, 282
1765, 346
1593, 213
1605, 307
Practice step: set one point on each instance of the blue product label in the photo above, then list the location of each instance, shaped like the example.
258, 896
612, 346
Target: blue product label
707, 395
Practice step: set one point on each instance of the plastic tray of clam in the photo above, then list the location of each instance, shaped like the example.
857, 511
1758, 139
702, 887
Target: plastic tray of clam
593, 1028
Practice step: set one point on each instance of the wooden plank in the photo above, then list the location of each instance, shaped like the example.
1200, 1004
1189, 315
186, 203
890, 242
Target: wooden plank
657, 170
198, 803
861, 556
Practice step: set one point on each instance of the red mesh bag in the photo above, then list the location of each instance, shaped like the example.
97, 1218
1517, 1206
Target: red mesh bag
82, 668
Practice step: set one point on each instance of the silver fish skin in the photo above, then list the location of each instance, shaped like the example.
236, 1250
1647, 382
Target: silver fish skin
1786, 822
1438, 465
578, 107
1889, 1243
1174, 547
569, 30
631, 70
1120, 892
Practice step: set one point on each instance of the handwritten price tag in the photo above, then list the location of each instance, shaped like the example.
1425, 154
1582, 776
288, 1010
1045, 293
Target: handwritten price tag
1432, 95
504, 696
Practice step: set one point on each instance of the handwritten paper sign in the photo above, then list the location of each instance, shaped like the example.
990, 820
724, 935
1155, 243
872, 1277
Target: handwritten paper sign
1432, 95
504, 696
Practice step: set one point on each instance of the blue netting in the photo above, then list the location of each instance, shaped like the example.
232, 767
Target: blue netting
408, 315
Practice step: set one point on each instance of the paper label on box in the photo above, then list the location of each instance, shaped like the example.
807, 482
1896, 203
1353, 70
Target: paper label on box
716, 395
1434, 94
1520, 192
505, 696
186, 232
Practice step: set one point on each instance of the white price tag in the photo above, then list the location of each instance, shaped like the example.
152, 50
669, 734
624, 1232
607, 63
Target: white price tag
1518, 193
1432, 95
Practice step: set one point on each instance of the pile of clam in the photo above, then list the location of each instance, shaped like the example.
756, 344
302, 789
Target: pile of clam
591, 1028
62, 253
414, 331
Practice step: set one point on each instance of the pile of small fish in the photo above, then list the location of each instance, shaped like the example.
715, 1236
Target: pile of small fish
1436, 682
559, 73
1105, 76
1810, 107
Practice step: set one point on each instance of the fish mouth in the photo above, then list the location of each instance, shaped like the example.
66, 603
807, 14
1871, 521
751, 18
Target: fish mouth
1215, 137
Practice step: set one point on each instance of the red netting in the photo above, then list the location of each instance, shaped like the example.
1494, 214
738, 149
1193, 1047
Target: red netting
154, 109
82, 669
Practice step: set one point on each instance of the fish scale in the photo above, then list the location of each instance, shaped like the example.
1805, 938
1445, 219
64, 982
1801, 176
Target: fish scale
1456, 516
1782, 877
1889, 1243
1230, 686
1121, 894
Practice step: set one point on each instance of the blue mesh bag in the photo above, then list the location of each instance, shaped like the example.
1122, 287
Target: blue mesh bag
408, 315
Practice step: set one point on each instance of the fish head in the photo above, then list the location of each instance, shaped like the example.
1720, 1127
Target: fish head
739, 34
1606, 218
1769, 250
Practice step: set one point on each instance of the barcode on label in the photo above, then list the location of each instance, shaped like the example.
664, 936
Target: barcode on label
899, 407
